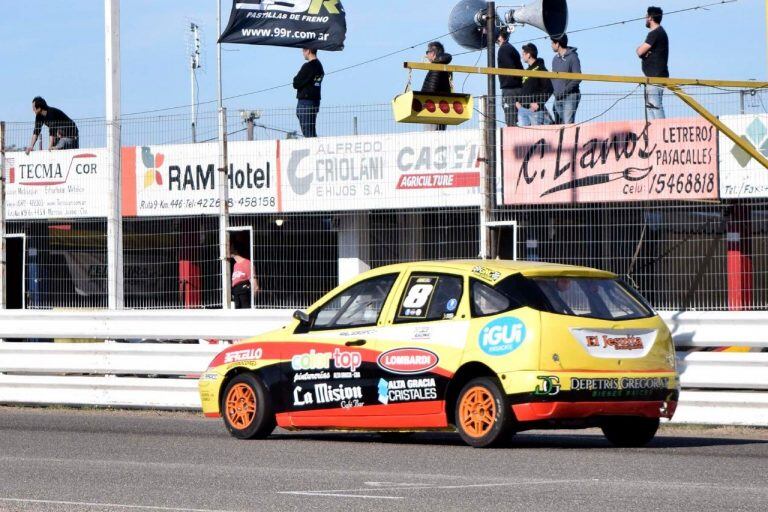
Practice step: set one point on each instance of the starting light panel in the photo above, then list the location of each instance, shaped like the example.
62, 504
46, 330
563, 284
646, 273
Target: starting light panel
430, 108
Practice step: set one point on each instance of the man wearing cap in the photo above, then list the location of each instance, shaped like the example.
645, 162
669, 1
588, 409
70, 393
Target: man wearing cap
654, 53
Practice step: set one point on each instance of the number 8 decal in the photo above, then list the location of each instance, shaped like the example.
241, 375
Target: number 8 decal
418, 296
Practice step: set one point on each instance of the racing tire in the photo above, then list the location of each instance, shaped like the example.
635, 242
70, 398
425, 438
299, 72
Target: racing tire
247, 408
483, 416
630, 431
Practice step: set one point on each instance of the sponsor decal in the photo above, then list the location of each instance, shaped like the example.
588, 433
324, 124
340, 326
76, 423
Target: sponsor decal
502, 336
407, 361
422, 333
452, 305
740, 174
627, 343
549, 386
251, 354
410, 170
314, 360
57, 184
620, 386
209, 376
323, 393
438, 167
311, 376
486, 273
407, 390
337, 170
613, 161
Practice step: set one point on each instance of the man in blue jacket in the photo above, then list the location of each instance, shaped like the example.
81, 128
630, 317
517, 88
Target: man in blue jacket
567, 92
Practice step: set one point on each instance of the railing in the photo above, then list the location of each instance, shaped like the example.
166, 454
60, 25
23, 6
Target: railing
724, 388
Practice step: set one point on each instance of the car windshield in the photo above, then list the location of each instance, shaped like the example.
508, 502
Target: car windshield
605, 299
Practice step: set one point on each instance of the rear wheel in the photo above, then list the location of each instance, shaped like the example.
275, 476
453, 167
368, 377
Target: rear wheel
247, 408
483, 417
630, 431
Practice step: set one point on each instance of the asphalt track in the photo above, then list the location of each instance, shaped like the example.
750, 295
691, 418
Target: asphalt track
114, 461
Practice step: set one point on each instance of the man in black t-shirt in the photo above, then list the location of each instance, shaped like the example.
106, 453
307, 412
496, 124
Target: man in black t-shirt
511, 86
307, 83
61, 129
654, 53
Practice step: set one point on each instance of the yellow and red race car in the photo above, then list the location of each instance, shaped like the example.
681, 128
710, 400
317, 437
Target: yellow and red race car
488, 348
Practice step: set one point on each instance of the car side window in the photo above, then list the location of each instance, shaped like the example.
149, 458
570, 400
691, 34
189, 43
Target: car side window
430, 297
487, 300
358, 306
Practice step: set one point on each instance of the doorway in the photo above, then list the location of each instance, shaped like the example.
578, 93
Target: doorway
15, 271
241, 241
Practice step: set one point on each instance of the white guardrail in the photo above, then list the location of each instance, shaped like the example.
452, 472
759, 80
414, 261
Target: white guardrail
722, 388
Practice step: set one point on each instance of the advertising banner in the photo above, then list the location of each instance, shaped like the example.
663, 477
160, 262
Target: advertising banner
319, 24
740, 174
672, 159
57, 184
410, 170
183, 179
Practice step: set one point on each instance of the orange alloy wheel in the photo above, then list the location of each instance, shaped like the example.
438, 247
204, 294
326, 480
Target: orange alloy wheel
241, 406
477, 411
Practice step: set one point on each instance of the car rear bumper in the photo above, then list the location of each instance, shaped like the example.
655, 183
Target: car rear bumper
543, 411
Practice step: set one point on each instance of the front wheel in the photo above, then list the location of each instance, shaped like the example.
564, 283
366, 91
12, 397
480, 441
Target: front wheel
630, 431
483, 417
247, 408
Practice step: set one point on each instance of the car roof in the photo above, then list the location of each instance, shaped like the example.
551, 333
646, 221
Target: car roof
504, 268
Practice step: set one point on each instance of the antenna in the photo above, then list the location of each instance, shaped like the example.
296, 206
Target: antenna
195, 64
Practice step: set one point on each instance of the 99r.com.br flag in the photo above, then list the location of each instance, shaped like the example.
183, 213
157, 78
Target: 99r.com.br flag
318, 24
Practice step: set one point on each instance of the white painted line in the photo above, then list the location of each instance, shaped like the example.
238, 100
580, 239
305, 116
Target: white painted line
416, 487
337, 495
109, 505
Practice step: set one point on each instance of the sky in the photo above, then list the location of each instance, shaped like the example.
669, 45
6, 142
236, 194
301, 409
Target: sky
56, 49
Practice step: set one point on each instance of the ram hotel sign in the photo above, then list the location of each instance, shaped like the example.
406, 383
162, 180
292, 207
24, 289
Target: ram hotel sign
673, 159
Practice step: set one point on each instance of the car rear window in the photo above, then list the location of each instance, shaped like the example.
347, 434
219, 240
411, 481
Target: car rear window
605, 299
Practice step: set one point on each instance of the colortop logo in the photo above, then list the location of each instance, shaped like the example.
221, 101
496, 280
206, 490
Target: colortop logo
502, 336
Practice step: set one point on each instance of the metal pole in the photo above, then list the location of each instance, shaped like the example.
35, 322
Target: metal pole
219, 88
485, 237
2, 215
354, 126
742, 105
223, 186
114, 215
249, 128
194, 65
488, 250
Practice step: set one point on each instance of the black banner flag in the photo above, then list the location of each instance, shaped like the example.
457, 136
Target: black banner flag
318, 24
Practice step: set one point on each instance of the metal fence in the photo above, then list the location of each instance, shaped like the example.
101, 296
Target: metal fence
685, 250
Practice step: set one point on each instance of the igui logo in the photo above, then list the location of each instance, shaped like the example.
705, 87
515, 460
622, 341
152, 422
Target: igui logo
757, 135
152, 163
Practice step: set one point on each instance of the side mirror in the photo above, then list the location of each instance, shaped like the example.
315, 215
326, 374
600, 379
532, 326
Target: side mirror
301, 316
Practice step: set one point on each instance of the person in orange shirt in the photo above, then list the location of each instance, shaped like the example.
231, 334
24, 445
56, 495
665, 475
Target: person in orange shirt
244, 284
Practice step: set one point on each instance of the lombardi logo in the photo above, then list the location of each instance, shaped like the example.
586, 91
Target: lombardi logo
757, 135
152, 163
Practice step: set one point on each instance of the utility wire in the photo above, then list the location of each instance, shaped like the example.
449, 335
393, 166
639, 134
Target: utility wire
411, 47
340, 70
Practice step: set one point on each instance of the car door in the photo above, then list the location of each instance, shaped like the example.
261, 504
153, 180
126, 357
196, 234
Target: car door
422, 342
331, 367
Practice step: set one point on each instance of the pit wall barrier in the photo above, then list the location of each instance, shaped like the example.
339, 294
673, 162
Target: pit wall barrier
718, 387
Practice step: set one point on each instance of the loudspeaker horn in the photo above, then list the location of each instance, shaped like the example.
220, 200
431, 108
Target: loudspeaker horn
551, 16
467, 24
